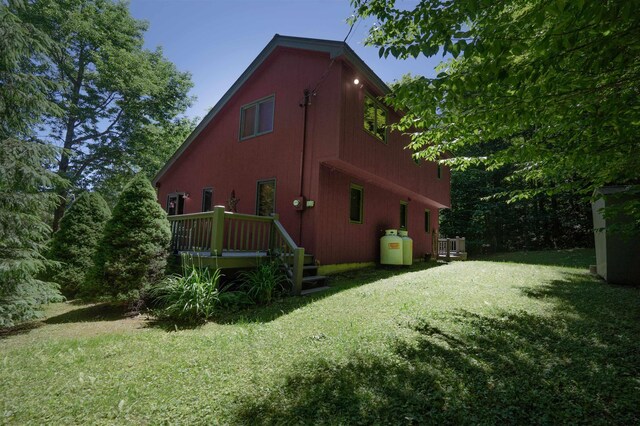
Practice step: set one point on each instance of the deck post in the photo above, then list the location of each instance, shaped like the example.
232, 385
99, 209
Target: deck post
217, 231
275, 217
298, 265
448, 249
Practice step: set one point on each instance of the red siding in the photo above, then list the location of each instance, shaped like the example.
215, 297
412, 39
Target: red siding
340, 241
338, 152
216, 158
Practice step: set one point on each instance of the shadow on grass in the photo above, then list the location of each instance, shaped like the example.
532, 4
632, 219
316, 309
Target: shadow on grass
284, 306
580, 365
574, 258
93, 313
19, 329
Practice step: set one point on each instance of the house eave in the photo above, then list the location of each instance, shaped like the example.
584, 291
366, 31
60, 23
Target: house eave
335, 49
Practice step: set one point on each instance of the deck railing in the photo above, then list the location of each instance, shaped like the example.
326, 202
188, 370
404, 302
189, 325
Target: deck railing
216, 232
451, 247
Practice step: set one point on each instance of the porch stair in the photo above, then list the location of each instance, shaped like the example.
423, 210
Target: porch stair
310, 278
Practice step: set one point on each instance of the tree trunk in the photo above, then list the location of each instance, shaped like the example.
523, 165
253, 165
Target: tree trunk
63, 163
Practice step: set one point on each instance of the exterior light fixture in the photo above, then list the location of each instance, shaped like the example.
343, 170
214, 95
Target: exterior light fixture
356, 81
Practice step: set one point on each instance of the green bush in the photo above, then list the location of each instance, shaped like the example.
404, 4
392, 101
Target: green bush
132, 254
191, 297
262, 283
74, 244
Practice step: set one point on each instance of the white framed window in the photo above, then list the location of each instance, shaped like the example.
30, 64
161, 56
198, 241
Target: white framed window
256, 118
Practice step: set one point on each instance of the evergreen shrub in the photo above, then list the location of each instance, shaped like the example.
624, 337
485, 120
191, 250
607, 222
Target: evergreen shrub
74, 244
132, 254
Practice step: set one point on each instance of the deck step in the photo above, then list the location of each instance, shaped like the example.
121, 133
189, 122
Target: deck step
314, 290
313, 278
313, 281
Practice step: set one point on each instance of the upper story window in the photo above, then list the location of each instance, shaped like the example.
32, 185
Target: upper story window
257, 118
375, 118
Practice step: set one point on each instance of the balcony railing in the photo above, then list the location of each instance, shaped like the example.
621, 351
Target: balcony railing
219, 233
452, 248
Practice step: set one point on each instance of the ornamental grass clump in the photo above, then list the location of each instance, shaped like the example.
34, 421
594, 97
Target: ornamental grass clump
262, 283
191, 297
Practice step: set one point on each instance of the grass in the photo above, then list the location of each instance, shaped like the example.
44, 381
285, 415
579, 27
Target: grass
468, 342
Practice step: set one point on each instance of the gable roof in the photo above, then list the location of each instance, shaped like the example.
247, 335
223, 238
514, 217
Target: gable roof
334, 48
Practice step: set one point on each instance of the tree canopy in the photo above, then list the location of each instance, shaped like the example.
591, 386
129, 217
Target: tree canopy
110, 89
557, 81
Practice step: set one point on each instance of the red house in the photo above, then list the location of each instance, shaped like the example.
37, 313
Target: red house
302, 133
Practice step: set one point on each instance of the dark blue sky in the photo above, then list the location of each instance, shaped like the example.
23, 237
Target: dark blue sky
216, 40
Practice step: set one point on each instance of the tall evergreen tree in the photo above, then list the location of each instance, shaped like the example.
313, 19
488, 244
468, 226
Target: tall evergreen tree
110, 89
132, 254
74, 244
25, 183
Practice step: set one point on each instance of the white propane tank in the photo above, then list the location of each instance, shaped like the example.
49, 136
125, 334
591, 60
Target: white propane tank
407, 248
391, 248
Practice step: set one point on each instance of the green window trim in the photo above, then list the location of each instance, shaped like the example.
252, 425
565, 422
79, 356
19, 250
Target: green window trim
374, 114
265, 197
207, 199
404, 215
356, 211
257, 118
427, 221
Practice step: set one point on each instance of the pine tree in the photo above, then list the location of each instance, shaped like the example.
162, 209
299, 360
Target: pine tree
25, 183
132, 254
23, 232
75, 243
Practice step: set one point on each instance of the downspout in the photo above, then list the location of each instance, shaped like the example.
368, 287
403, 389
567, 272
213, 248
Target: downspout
304, 105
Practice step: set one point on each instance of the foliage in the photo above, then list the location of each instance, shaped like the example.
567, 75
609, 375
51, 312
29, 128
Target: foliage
132, 254
74, 244
24, 181
470, 342
116, 96
557, 80
149, 148
540, 222
191, 297
265, 281
23, 233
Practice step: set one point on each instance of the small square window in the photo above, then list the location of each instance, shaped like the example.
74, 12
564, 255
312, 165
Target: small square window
257, 118
355, 204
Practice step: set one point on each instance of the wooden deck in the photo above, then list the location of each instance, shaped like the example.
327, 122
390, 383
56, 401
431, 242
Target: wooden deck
234, 259
230, 240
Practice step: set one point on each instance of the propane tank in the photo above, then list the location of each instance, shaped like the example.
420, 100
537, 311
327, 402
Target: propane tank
391, 248
407, 248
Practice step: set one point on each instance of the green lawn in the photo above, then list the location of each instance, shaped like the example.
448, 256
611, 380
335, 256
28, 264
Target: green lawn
492, 341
